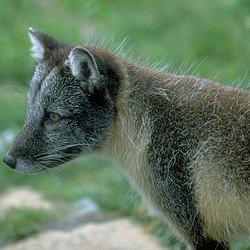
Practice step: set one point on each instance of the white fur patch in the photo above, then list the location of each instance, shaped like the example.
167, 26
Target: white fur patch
224, 212
80, 55
37, 49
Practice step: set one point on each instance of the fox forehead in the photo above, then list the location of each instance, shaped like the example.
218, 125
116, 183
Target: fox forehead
52, 89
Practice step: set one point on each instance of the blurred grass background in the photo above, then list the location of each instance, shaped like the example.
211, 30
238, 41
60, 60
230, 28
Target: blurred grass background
209, 38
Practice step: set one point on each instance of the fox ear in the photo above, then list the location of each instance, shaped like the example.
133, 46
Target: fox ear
37, 49
42, 44
83, 65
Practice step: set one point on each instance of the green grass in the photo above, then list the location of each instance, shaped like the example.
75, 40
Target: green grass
210, 38
19, 223
214, 34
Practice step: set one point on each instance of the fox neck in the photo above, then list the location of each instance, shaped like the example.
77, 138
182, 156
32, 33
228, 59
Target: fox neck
130, 132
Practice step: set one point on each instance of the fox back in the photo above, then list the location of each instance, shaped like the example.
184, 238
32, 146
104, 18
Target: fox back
182, 141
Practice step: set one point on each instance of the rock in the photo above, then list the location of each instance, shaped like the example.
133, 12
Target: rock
23, 197
6, 138
120, 234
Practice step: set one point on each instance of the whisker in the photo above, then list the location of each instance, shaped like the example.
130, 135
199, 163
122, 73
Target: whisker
61, 148
59, 155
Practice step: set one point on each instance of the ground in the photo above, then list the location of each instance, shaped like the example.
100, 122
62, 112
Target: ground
96, 232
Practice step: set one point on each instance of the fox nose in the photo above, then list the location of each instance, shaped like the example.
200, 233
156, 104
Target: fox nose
10, 160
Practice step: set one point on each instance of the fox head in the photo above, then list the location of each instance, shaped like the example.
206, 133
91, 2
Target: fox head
70, 104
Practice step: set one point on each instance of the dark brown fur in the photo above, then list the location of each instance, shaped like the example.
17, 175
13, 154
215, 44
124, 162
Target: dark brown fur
182, 141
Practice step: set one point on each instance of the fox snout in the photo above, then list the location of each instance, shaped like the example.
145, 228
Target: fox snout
9, 160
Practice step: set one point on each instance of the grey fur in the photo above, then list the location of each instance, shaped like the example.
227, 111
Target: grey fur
182, 141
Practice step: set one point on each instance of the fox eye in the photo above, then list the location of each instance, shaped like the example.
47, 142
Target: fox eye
54, 117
